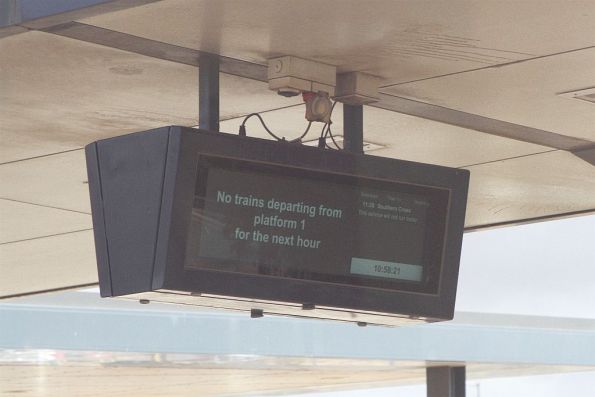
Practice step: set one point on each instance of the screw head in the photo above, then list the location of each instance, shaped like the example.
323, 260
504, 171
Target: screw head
278, 66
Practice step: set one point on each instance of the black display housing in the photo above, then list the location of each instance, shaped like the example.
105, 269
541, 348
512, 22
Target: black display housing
143, 188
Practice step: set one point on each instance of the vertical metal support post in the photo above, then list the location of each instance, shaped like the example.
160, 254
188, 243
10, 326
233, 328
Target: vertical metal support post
445, 381
10, 12
353, 128
208, 92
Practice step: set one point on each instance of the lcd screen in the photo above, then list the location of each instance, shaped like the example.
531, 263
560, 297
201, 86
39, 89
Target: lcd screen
271, 220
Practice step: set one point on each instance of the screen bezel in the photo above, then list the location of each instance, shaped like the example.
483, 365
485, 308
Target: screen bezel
184, 147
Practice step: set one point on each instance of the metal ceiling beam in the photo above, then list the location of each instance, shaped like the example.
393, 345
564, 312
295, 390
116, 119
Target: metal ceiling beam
353, 128
208, 92
10, 13
480, 123
258, 72
526, 221
57, 17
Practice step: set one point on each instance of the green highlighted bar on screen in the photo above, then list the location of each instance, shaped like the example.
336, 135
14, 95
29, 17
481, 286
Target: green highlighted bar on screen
371, 267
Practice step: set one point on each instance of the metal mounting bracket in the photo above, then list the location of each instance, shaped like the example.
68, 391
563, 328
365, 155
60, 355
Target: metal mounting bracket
208, 92
353, 128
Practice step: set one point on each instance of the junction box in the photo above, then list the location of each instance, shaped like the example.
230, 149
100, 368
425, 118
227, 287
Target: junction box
290, 76
357, 88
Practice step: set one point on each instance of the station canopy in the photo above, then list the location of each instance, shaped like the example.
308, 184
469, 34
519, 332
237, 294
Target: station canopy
503, 90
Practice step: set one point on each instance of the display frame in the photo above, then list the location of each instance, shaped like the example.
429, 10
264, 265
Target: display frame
183, 148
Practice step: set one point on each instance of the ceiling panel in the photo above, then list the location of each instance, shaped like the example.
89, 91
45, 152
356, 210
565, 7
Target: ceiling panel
400, 41
82, 92
398, 136
20, 221
58, 181
526, 93
47, 263
527, 187
510, 180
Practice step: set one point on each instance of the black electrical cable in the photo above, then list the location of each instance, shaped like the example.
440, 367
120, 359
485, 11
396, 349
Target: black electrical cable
263, 124
326, 129
328, 133
326, 144
299, 139
333, 137
322, 133
322, 139
243, 129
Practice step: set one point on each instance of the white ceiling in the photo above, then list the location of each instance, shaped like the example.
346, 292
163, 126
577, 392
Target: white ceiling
525, 93
56, 181
401, 136
40, 264
82, 92
58, 94
400, 41
529, 187
34, 221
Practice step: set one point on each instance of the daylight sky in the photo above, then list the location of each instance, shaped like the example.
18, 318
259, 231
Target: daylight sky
543, 269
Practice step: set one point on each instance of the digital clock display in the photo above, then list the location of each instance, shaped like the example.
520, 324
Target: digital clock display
287, 222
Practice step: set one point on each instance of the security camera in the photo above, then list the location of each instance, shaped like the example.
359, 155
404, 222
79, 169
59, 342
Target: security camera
288, 92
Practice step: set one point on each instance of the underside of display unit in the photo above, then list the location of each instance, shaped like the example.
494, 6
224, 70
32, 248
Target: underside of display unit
265, 308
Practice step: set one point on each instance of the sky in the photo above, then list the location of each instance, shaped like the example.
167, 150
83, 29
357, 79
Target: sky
543, 269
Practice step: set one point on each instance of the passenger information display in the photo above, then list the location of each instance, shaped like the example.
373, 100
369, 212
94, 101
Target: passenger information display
252, 218
202, 218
